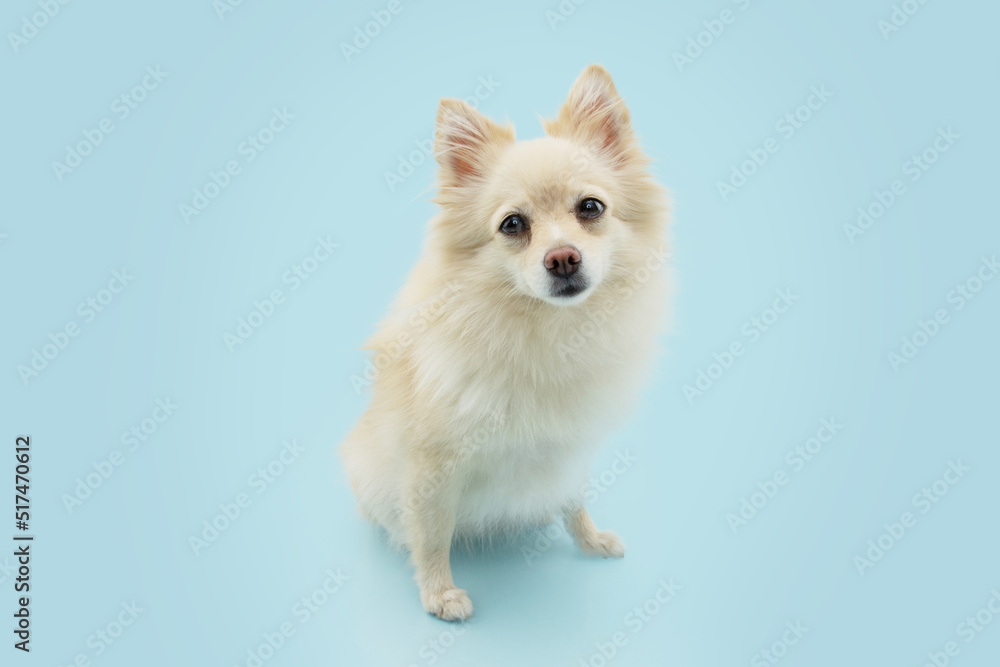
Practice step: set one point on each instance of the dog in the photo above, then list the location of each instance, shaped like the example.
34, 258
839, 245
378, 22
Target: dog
520, 339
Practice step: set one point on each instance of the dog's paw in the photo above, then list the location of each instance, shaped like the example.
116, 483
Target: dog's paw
603, 543
450, 605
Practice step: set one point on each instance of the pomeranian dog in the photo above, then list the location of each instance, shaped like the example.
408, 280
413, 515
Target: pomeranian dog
520, 338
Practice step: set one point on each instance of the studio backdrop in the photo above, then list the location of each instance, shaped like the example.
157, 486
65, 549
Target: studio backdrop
209, 206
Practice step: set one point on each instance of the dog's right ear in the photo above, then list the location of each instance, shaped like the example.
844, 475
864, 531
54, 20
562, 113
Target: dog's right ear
594, 114
467, 143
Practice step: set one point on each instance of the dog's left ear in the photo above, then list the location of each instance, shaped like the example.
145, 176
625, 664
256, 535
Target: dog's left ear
594, 114
467, 143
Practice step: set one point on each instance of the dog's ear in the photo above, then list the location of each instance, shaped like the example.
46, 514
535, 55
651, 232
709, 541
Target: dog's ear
466, 143
595, 115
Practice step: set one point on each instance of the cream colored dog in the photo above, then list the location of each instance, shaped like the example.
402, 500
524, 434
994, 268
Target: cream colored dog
520, 338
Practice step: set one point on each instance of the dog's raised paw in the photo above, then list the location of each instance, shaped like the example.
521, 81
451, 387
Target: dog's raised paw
450, 605
603, 543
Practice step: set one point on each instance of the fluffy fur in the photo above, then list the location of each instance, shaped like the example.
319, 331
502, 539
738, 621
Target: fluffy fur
492, 391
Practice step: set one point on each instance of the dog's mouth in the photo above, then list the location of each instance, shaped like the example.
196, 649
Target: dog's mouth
567, 288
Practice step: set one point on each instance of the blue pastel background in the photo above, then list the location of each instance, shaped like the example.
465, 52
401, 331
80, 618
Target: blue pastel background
324, 176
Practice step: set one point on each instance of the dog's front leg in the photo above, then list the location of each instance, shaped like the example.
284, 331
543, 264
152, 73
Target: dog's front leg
430, 526
592, 541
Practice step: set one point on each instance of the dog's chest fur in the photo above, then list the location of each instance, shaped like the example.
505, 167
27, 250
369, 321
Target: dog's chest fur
530, 400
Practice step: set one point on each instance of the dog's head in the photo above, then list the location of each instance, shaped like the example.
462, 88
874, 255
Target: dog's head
548, 216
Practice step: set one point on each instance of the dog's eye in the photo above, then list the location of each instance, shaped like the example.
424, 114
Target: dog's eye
590, 208
512, 224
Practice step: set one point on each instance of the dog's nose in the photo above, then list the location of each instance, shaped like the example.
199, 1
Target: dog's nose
562, 261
